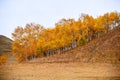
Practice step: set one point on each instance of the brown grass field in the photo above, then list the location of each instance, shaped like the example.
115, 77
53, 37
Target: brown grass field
60, 71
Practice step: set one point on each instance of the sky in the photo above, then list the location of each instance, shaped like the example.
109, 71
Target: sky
15, 13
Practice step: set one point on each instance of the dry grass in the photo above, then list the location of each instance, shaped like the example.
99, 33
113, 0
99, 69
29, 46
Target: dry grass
60, 71
103, 49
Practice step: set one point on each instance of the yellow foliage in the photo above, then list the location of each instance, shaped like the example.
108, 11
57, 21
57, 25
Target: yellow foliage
34, 40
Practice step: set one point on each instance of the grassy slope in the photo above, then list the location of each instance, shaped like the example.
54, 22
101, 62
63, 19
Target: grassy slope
5, 44
103, 49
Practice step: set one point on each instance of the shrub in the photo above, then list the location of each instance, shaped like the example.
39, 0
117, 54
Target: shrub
3, 59
82, 41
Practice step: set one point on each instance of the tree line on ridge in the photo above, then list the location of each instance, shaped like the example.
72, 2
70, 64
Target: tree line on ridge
36, 41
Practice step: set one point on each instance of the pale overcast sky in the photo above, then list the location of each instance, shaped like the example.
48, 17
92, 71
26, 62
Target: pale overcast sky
15, 13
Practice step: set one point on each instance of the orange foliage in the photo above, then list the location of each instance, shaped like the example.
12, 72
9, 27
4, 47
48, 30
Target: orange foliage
33, 40
3, 59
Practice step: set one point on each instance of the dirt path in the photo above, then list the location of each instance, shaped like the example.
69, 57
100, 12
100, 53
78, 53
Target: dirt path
60, 71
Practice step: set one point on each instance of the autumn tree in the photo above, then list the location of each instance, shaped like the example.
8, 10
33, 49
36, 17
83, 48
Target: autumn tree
99, 26
25, 41
114, 19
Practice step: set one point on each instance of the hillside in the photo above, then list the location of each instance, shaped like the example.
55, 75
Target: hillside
5, 44
103, 49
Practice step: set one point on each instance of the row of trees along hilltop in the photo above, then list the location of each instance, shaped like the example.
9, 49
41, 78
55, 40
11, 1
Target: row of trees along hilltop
35, 41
